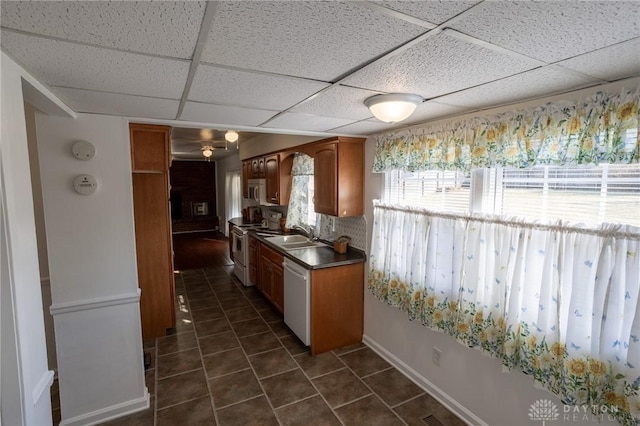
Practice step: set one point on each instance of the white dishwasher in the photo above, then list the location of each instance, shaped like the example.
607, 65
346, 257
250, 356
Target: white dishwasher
296, 300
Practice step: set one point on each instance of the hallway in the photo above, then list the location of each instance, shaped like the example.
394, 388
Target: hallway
231, 360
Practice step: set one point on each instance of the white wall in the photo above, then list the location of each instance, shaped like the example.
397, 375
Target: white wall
232, 162
265, 143
472, 384
25, 376
93, 272
41, 233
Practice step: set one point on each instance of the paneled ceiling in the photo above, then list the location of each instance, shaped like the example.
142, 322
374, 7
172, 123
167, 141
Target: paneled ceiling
305, 67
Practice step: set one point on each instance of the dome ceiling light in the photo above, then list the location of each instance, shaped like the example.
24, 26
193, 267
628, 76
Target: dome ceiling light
393, 107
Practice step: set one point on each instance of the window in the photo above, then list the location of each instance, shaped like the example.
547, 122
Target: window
604, 193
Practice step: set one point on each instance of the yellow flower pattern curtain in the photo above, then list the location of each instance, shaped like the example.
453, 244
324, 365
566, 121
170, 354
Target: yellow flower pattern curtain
603, 128
557, 302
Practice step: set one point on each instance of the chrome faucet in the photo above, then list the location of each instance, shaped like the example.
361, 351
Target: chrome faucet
309, 231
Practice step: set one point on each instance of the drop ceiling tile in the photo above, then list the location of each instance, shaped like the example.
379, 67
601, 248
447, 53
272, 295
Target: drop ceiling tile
552, 31
257, 90
66, 64
225, 115
432, 110
364, 127
312, 123
117, 104
434, 11
318, 40
339, 102
438, 65
532, 84
611, 63
161, 28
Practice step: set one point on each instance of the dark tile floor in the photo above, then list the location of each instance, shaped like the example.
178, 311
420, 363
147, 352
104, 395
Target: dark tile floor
233, 361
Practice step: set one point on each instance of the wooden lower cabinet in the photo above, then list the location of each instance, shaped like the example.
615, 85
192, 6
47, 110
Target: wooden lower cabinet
337, 297
271, 276
254, 247
337, 307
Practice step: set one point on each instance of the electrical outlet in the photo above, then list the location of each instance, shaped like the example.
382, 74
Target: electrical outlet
437, 355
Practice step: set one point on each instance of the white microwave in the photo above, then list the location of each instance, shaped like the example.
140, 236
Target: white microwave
258, 191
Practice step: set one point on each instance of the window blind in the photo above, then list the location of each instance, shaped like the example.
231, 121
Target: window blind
591, 195
436, 190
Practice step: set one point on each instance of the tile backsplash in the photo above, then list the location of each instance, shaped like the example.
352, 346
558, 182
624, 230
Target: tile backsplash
355, 227
331, 227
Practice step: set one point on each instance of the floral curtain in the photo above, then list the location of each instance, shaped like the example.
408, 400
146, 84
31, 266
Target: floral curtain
299, 203
557, 302
603, 128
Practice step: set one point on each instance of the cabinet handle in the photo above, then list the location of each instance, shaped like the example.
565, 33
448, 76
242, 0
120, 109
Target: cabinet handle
276, 197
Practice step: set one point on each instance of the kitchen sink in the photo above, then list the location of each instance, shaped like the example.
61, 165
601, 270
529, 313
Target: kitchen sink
293, 242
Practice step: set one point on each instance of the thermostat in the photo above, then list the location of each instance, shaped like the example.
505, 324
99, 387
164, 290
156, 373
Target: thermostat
85, 184
83, 150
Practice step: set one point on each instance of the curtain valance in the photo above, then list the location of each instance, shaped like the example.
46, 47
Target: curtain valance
602, 128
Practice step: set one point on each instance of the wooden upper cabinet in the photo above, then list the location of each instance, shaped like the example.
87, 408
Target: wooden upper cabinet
325, 164
257, 168
150, 149
246, 171
339, 177
272, 175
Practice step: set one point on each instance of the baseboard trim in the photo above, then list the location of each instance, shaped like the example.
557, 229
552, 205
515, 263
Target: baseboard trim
442, 397
110, 413
102, 302
43, 384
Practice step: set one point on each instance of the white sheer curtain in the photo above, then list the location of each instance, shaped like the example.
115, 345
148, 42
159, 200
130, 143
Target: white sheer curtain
558, 302
300, 210
233, 195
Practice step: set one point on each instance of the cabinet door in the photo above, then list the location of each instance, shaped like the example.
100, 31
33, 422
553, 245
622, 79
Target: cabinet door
265, 277
257, 167
277, 289
149, 147
325, 178
246, 171
253, 260
272, 175
154, 253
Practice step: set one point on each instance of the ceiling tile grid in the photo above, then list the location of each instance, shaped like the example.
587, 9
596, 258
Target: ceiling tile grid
552, 30
440, 64
338, 102
536, 83
365, 127
432, 110
310, 39
225, 115
161, 28
433, 11
307, 66
610, 63
308, 122
117, 104
249, 89
78, 66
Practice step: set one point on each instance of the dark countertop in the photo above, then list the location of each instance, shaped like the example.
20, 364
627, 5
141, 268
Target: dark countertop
238, 221
316, 257
310, 258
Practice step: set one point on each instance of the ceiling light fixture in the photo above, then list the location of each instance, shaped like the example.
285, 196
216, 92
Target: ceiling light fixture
207, 152
231, 136
393, 107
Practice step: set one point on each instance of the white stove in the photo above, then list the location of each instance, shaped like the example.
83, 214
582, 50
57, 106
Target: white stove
240, 250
